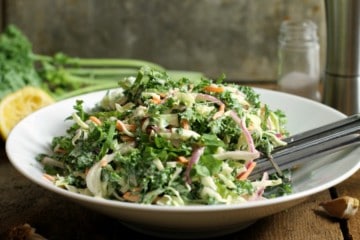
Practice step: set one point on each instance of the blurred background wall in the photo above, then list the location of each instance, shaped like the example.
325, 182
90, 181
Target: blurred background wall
235, 37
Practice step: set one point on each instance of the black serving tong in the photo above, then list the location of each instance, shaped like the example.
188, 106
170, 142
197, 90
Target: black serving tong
307, 146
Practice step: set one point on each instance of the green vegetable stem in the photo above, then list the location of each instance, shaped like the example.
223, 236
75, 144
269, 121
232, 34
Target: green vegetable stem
63, 76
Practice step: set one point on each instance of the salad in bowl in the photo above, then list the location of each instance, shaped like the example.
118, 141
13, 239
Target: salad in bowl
161, 141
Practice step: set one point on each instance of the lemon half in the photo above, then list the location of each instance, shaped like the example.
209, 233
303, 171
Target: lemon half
15, 106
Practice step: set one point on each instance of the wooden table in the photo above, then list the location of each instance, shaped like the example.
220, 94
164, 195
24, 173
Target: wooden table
55, 217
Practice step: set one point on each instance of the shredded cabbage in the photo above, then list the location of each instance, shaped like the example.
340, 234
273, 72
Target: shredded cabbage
169, 142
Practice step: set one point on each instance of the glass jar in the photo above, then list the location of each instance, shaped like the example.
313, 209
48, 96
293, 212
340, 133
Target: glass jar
299, 59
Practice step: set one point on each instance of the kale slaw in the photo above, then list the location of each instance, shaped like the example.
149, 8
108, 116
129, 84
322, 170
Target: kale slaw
157, 140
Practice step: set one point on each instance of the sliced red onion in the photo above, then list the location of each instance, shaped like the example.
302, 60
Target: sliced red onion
241, 123
195, 156
260, 190
207, 97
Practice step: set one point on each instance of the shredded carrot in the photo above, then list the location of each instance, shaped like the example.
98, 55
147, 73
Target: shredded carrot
131, 197
49, 177
220, 112
126, 128
250, 168
103, 162
185, 124
182, 159
130, 127
95, 120
120, 125
156, 99
214, 89
163, 95
126, 138
123, 126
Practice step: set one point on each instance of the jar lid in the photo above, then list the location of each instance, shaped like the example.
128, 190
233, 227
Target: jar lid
298, 31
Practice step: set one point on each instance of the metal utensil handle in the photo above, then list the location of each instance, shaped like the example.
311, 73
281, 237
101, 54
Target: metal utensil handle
320, 135
312, 144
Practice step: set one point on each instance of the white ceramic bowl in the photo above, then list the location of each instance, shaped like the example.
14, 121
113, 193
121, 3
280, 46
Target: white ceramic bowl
33, 136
